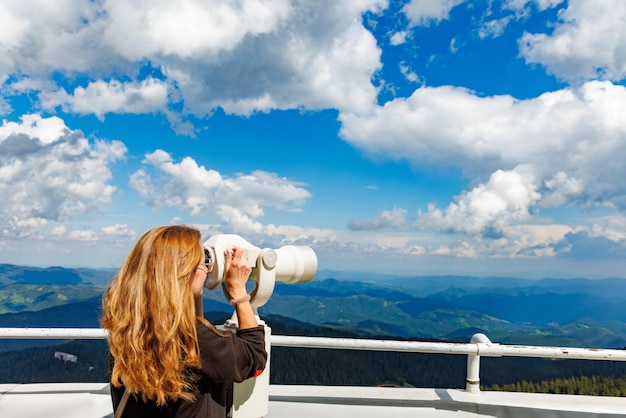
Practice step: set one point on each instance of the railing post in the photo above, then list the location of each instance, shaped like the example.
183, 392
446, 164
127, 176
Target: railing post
472, 381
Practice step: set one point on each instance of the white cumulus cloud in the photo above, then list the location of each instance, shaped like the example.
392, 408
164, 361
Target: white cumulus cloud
425, 12
568, 137
387, 219
51, 173
506, 199
100, 98
588, 42
236, 201
243, 56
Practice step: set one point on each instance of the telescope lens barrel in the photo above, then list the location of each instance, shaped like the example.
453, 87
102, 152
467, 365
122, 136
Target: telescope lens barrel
295, 264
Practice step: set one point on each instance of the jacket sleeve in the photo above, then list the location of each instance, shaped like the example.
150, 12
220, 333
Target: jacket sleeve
232, 358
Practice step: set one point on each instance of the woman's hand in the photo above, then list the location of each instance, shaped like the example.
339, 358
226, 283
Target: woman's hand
237, 268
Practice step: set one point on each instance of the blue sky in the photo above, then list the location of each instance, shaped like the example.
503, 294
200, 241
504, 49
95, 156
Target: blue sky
407, 137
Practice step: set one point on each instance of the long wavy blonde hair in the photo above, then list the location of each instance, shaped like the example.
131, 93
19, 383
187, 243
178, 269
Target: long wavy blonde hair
149, 313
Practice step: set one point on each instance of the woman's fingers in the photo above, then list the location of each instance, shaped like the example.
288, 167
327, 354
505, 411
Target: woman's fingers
227, 259
236, 258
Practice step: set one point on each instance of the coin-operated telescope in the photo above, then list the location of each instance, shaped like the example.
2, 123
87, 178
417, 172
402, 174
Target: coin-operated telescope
288, 264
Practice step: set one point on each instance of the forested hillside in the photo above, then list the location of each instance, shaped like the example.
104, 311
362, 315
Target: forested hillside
582, 385
552, 312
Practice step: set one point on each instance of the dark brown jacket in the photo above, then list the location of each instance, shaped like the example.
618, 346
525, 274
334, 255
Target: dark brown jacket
224, 360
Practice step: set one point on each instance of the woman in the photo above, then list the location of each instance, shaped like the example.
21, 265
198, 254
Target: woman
172, 361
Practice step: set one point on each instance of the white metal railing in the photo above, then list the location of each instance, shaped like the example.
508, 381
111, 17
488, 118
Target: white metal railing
477, 347
53, 333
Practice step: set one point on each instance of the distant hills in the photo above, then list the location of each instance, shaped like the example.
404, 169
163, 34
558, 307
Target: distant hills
12, 274
559, 312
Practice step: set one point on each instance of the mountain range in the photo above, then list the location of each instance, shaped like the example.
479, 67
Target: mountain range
556, 312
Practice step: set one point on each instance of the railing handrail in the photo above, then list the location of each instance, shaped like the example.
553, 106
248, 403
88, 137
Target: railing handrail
53, 333
487, 349
481, 349
479, 346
